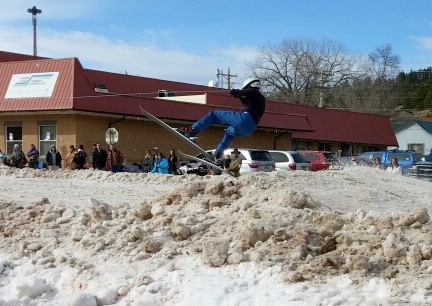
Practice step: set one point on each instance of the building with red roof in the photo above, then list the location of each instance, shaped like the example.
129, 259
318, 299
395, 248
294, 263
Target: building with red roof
57, 101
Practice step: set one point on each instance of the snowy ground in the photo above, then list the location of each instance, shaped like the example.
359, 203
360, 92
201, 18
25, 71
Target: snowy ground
356, 236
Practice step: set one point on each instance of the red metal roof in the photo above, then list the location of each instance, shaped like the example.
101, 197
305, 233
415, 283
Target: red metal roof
63, 91
75, 89
342, 126
327, 124
13, 57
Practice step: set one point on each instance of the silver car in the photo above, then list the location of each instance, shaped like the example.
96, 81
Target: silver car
253, 160
290, 160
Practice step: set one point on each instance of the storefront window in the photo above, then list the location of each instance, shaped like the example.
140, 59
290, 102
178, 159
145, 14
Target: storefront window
47, 137
301, 145
13, 136
324, 146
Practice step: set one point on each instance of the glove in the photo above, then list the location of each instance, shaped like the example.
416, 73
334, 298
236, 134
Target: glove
232, 93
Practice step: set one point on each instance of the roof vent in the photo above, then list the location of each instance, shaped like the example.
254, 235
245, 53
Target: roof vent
100, 88
166, 93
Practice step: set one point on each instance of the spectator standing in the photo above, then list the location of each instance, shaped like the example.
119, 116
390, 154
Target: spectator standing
33, 157
91, 153
173, 163
2, 158
394, 167
70, 158
53, 158
236, 163
155, 157
161, 165
114, 159
99, 158
80, 158
147, 162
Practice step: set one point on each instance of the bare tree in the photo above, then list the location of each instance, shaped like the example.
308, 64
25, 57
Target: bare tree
301, 70
384, 65
383, 69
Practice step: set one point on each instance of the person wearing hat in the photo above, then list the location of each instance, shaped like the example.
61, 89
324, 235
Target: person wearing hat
80, 158
235, 163
241, 123
17, 157
53, 158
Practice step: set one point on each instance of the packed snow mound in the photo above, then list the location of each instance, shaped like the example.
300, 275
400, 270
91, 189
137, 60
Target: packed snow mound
274, 220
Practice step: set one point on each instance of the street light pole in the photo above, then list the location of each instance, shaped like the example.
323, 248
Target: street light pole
34, 11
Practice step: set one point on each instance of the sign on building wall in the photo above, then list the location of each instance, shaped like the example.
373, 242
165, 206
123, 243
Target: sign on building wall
111, 136
31, 85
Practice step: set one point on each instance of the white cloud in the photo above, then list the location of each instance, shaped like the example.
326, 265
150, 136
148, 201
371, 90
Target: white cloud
145, 57
424, 42
148, 53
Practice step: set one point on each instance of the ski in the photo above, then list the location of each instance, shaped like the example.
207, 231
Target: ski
206, 162
174, 132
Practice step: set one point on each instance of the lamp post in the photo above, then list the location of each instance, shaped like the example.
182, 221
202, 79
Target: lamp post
34, 11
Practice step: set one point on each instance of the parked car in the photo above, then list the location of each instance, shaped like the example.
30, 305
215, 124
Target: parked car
290, 160
405, 158
253, 160
321, 160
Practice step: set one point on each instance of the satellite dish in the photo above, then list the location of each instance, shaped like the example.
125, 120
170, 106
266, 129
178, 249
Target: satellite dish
211, 83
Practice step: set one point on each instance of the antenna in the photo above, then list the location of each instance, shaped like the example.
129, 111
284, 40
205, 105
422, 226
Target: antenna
211, 83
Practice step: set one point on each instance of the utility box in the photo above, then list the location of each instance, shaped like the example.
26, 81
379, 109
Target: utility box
166, 93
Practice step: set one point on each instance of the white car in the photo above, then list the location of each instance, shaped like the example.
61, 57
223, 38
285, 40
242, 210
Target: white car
253, 160
290, 160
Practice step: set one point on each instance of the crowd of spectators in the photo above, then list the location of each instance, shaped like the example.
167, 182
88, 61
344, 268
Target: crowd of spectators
110, 159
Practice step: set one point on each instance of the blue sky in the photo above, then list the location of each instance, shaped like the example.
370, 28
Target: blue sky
188, 40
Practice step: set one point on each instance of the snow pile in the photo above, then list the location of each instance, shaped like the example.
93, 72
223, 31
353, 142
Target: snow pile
259, 239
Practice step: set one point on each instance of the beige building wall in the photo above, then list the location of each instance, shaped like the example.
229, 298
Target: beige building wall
135, 135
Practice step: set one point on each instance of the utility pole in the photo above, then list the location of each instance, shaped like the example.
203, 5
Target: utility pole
34, 11
220, 75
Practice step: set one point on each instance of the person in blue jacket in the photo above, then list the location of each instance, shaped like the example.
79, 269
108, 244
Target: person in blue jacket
240, 123
161, 164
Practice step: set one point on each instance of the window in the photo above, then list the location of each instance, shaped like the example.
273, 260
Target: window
311, 157
324, 146
301, 145
416, 147
279, 157
13, 136
400, 156
47, 137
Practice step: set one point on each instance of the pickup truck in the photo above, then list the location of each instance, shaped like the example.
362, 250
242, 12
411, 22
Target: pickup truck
422, 169
405, 158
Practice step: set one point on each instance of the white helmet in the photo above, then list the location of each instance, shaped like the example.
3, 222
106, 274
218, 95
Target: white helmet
252, 82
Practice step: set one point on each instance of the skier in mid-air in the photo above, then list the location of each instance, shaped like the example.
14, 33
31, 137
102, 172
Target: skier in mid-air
239, 123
